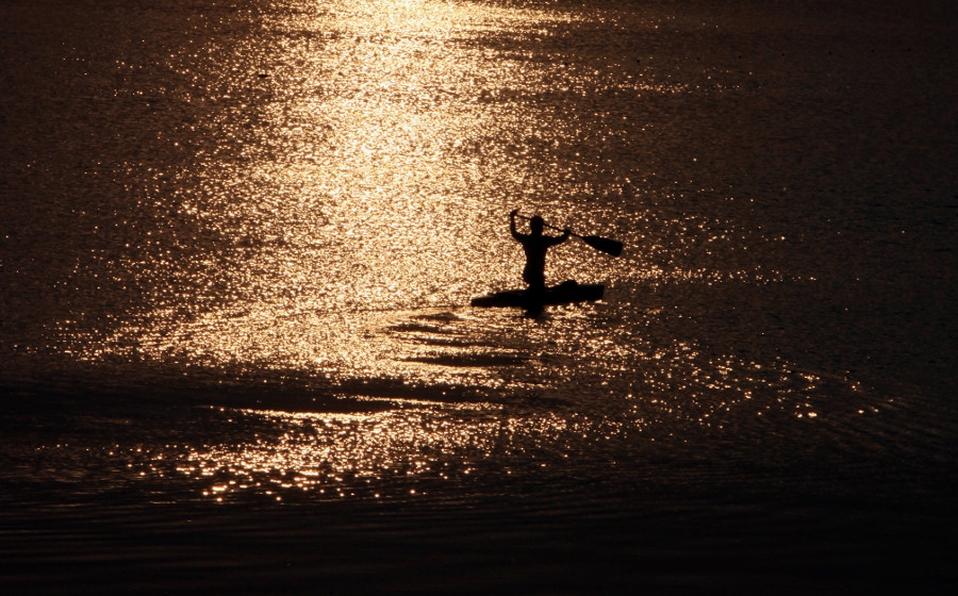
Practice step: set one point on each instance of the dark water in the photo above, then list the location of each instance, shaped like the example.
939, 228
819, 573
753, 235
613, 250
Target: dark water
238, 240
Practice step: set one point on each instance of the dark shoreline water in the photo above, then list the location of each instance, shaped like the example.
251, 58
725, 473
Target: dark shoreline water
704, 512
684, 534
235, 356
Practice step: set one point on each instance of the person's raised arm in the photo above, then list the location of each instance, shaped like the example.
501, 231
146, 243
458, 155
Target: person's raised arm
560, 239
512, 224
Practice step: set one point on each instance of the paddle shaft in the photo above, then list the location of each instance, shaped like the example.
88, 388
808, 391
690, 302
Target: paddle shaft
551, 227
606, 245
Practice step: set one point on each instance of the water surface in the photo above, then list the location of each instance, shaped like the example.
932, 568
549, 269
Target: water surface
239, 242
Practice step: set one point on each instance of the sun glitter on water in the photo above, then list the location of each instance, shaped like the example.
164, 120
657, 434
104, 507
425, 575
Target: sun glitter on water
357, 167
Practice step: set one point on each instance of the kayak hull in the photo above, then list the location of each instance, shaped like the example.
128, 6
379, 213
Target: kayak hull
567, 292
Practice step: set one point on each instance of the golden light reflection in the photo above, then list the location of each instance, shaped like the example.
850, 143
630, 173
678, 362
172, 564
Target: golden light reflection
362, 167
662, 392
348, 195
356, 174
352, 455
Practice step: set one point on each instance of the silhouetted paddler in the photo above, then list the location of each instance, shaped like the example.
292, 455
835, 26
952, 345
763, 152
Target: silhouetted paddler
535, 244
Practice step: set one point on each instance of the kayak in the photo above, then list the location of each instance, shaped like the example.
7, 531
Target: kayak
565, 293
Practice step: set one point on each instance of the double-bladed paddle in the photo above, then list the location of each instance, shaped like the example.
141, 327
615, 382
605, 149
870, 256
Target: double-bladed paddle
606, 245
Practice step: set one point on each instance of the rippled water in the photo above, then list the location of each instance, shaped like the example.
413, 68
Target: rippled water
239, 241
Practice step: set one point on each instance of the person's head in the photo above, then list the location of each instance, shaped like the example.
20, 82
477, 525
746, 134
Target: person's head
536, 224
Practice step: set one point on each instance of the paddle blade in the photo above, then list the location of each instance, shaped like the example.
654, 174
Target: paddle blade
606, 245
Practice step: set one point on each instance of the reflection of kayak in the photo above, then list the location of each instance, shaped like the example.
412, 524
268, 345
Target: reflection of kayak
565, 293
